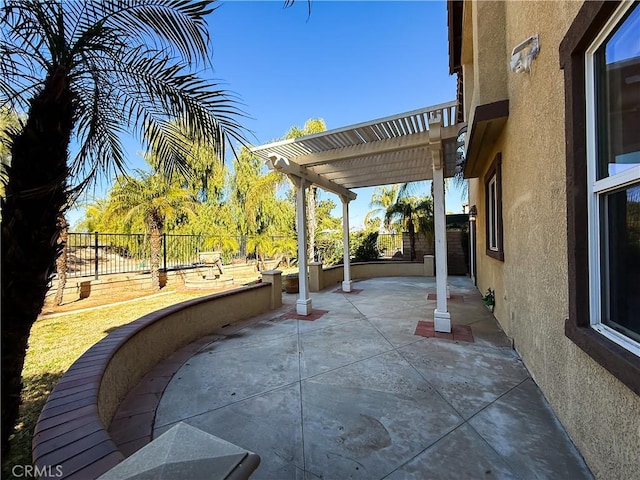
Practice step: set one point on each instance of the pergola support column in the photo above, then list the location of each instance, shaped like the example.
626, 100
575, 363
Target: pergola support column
441, 317
346, 284
303, 304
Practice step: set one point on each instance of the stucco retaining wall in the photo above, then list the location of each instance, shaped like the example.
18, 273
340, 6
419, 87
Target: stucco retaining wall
321, 278
71, 433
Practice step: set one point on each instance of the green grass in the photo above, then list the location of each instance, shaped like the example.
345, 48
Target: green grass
54, 344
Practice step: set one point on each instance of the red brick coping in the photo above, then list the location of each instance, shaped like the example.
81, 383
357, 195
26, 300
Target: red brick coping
71, 439
460, 333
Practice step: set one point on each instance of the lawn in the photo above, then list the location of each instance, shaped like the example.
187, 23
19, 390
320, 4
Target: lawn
55, 343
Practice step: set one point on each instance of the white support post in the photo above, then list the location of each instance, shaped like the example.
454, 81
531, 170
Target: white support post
441, 317
303, 304
346, 284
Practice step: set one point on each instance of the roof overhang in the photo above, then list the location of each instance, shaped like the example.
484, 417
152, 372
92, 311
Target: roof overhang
394, 149
455, 10
488, 121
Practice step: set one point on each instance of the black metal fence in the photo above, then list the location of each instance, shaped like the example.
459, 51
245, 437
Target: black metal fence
95, 254
98, 254
389, 244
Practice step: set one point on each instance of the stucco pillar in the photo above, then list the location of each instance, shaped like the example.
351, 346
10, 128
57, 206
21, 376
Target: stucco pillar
274, 277
429, 265
346, 284
316, 280
441, 317
303, 304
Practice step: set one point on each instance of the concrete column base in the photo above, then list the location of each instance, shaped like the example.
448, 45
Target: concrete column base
346, 286
441, 321
303, 307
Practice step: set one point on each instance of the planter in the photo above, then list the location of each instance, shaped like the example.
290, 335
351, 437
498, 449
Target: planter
291, 284
489, 307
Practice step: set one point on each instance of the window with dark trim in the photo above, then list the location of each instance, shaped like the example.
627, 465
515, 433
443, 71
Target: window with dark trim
493, 205
603, 186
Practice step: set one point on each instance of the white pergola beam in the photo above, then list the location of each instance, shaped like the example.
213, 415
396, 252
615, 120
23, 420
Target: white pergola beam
344, 178
412, 159
379, 147
284, 165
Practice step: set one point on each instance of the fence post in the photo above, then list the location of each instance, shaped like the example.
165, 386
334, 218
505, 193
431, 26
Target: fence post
164, 250
95, 254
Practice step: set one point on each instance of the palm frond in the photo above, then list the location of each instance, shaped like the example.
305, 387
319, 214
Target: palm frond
173, 22
130, 66
161, 100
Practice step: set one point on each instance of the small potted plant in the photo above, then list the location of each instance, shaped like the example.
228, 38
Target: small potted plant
489, 299
291, 284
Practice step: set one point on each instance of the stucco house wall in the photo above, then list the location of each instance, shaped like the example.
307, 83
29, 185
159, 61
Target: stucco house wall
600, 413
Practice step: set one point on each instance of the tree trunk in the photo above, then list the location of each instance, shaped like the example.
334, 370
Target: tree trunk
412, 239
61, 261
155, 243
312, 221
260, 257
35, 194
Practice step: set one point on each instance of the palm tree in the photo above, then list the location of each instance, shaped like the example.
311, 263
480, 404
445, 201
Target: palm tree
61, 261
381, 199
9, 123
414, 214
90, 70
153, 199
267, 216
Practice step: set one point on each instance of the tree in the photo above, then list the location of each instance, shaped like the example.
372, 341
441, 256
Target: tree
329, 235
89, 69
381, 199
311, 126
61, 261
413, 214
9, 125
155, 200
268, 216
95, 217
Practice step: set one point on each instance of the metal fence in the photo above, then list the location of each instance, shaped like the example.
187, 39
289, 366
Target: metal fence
95, 254
389, 244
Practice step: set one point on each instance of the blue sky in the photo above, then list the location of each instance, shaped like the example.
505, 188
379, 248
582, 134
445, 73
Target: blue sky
348, 62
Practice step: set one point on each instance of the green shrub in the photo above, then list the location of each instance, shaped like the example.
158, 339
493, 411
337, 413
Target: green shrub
366, 248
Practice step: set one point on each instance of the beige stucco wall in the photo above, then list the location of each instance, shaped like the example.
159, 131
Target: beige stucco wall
601, 415
320, 278
488, 73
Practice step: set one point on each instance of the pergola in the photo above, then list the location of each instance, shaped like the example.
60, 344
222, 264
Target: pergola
407, 147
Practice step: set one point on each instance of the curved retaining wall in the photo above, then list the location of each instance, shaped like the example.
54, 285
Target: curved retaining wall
71, 438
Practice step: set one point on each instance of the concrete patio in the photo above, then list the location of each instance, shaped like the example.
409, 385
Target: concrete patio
356, 393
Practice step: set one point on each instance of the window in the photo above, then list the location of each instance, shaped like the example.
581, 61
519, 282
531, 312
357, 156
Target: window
493, 205
600, 57
613, 163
